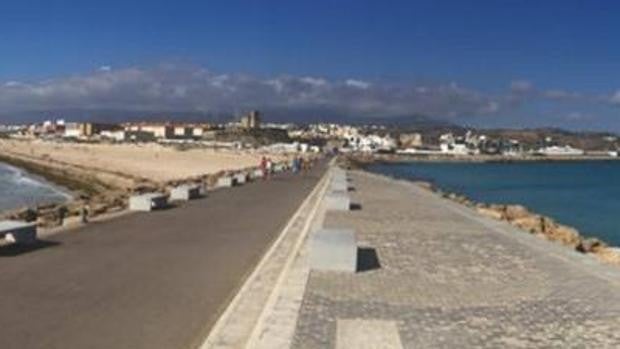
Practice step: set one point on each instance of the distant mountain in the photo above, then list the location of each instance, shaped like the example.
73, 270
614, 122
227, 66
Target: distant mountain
271, 115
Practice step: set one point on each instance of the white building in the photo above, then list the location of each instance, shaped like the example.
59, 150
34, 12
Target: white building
555, 150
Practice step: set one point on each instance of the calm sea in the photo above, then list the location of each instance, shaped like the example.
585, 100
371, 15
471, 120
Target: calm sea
585, 195
19, 189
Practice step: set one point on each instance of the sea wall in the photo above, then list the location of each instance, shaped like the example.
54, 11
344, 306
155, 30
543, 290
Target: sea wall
517, 215
539, 225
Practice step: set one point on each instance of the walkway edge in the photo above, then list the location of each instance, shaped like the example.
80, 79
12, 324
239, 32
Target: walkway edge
217, 330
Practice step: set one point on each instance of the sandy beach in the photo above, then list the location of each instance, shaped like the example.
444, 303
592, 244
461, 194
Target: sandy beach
152, 161
103, 175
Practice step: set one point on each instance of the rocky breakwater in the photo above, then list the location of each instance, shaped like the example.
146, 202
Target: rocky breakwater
539, 225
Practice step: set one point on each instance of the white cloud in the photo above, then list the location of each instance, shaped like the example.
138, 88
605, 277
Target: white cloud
105, 68
182, 88
357, 84
314, 81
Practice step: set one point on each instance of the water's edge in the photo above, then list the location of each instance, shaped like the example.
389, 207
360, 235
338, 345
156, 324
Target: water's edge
61, 194
604, 250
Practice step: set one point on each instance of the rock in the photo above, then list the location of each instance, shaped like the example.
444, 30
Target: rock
564, 234
590, 245
610, 255
532, 223
513, 212
489, 212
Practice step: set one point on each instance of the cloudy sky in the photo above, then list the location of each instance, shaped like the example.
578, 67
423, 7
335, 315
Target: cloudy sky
483, 63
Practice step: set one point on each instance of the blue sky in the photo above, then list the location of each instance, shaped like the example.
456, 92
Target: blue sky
506, 63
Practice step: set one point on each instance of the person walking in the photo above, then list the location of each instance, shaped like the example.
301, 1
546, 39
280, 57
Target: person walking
62, 213
84, 213
263, 167
269, 167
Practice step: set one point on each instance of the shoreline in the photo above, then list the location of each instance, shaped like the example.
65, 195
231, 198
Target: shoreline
104, 191
521, 217
407, 158
64, 195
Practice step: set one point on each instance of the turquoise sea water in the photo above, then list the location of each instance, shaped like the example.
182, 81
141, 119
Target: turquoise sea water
585, 195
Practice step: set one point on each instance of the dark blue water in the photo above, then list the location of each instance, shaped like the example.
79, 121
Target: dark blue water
19, 189
585, 195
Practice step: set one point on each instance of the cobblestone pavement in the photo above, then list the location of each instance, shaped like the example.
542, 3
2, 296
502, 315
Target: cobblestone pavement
450, 278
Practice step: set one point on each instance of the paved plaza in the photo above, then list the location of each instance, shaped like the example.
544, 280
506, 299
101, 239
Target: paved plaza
435, 274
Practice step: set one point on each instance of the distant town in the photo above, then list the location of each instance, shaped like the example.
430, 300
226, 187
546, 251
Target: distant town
249, 131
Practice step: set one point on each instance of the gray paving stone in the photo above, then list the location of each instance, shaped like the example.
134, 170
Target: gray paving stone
449, 280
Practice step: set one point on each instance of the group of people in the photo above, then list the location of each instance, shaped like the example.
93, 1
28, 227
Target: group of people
298, 164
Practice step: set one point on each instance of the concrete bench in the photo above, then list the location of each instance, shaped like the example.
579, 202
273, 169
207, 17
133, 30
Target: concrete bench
337, 184
337, 200
337, 172
258, 173
147, 202
185, 192
225, 181
333, 249
18, 231
241, 178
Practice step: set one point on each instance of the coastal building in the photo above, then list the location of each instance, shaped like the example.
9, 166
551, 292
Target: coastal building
198, 131
159, 131
72, 130
449, 144
409, 140
87, 129
181, 131
128, 136
555, 150
251, 120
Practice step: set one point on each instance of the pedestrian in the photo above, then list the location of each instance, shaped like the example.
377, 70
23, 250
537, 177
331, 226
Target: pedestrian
62, 213
85, 212
269, 167
263, 167
295, 164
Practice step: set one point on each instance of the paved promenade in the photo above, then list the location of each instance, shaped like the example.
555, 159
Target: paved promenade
438, 275
156, 280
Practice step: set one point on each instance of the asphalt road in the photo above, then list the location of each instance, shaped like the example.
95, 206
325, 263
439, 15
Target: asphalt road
147, 280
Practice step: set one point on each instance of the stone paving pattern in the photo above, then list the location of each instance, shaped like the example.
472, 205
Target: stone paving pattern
450, 278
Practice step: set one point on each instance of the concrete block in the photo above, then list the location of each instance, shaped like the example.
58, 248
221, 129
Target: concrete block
185, 192
19, 232
337, 200
225, 181
258, 173
333, 249
148, 202
339, 185
339, 173
279, 168
241, 178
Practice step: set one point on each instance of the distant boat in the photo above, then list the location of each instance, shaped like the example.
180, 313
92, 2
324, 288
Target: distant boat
555, 150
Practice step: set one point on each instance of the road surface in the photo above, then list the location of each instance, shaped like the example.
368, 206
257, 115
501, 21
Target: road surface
147, 280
